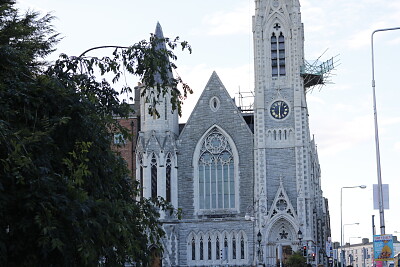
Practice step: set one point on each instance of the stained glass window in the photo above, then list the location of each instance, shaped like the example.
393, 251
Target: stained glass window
216, 173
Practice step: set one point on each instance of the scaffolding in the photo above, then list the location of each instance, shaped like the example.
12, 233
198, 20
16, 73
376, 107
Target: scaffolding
246, 101
316, 73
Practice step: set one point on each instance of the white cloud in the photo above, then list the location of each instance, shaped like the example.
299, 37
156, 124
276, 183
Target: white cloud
230, 22
390, 121
397, 146
336, 136
311, 99
232, 78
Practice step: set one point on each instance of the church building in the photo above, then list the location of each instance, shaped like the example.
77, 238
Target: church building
248, 183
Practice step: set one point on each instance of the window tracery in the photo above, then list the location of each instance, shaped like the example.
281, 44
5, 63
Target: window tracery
216, 173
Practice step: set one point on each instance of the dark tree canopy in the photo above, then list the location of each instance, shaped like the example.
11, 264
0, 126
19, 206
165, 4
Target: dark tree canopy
66, 199
296, 260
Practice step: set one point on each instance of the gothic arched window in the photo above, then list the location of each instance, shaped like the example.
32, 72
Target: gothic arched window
154, 176
141, 174
278, 55
201, 249
168, 179
193, 249
208, 249
234, 247
216, 172
217, 252
242, 247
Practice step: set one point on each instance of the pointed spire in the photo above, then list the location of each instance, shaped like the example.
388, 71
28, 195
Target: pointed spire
161, 45
159, 33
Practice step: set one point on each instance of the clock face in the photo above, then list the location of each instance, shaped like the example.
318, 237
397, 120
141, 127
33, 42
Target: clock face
279, 109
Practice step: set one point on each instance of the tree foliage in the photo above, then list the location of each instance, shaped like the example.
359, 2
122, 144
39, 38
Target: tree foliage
296, 260
66, 199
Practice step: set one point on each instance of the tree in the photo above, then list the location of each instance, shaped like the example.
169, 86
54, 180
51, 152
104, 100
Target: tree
296, 260
66, 199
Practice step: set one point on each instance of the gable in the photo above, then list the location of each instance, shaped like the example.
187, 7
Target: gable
215, 107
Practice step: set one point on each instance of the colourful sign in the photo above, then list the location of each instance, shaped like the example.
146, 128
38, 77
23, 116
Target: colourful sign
383, 248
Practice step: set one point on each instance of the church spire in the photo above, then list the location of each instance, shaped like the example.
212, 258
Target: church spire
161, 46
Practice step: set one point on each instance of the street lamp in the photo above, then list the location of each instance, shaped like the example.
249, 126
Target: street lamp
344, 251
341, 215
347, 224
378, 160
300, 236
353, 237
250, 216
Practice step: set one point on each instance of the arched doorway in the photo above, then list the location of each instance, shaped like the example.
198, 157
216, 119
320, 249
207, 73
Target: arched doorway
282, 241
283, 253
155, 257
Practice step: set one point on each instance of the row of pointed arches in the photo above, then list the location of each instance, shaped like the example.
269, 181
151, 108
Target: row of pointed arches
214, 247
154, 175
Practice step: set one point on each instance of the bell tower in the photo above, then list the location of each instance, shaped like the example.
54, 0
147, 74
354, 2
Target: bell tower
283, 189
156, 151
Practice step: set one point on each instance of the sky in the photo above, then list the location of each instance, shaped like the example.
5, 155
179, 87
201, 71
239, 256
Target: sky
341, 112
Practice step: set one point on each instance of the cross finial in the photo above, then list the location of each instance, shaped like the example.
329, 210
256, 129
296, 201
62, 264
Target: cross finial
278, 91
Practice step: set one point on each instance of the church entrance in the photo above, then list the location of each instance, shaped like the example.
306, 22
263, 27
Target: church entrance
156, 258
283, 255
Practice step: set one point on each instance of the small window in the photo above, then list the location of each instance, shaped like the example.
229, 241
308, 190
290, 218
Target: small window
168, 179
153, 176
234, 248
209, 248
119, 139
242, 248
214, 103
217, 252
141, 174
201, 249
193, 249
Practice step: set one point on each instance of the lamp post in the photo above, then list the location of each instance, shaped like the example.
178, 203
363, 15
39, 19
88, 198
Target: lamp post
378, 160
341, 217
250, 216
344, 251
347, 224
353, 237
299, 236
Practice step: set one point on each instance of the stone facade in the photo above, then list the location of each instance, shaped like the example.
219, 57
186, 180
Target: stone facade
247, 183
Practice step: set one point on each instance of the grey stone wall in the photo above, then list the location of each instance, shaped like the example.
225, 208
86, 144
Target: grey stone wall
228, 118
